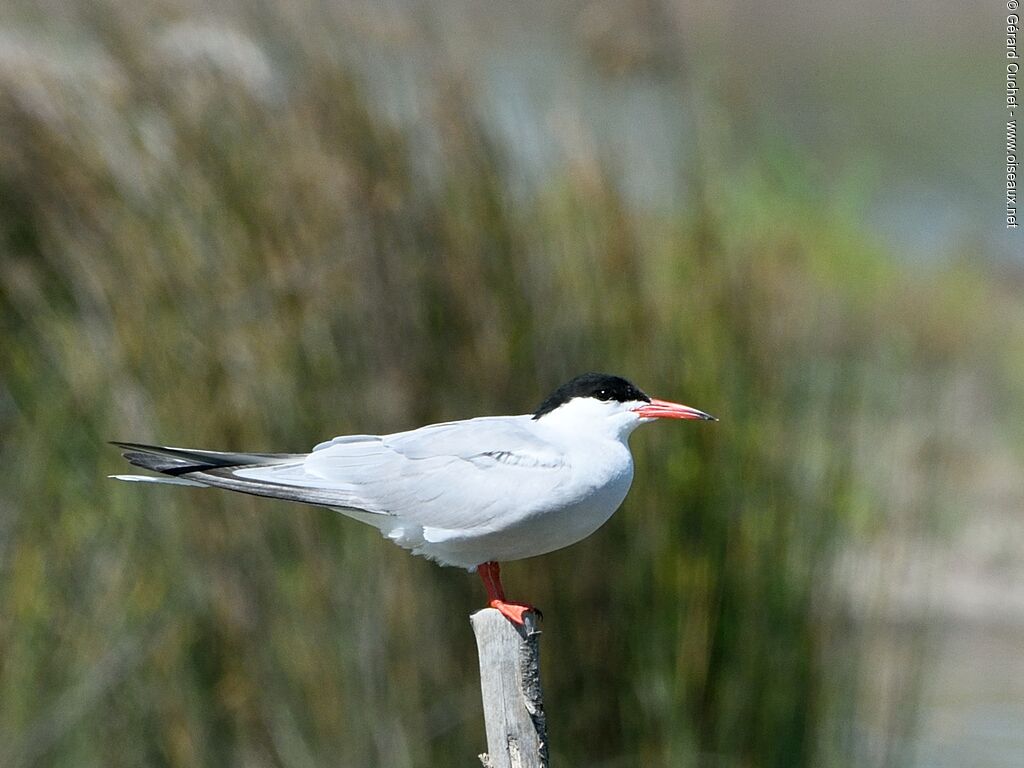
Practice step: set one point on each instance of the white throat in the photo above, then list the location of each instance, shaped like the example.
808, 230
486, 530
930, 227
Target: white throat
588, 416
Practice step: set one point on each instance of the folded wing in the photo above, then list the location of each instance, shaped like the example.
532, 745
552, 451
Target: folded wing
458, 476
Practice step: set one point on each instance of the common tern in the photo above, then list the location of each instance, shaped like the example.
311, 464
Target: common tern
466, 493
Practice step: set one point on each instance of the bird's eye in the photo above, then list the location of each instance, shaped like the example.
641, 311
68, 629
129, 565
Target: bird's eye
604, 394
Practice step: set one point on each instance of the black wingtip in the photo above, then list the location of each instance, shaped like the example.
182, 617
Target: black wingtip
134, 446
156, 460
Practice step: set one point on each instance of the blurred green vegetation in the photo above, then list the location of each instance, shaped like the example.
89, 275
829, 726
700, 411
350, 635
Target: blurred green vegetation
228, 248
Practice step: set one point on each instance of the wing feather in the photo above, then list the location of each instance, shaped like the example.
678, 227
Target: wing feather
446, 479
437, 476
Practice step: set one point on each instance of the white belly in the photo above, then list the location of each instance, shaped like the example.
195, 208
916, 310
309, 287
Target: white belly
530, 535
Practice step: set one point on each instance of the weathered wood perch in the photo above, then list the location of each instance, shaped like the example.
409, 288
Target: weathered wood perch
510, 683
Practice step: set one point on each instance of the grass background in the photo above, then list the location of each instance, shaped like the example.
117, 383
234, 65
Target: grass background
214, 231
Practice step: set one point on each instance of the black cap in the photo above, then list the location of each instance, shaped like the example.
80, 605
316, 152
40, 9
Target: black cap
601, 386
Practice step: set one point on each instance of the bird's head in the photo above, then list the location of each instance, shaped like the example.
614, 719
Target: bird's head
609, 404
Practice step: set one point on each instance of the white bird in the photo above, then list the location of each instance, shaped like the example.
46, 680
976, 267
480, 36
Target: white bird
463, 493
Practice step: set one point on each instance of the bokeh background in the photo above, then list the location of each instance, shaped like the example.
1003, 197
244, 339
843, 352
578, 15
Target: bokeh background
256, 225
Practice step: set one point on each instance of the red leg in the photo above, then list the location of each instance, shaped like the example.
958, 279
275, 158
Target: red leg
490, 575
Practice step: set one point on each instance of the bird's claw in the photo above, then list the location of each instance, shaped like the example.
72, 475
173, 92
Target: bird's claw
514, 611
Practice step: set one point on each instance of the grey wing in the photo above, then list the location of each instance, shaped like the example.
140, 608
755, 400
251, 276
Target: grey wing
461, 475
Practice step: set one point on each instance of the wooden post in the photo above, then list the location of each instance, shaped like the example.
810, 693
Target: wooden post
510, 683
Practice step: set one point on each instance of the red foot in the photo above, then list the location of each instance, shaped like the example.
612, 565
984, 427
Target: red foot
513, 611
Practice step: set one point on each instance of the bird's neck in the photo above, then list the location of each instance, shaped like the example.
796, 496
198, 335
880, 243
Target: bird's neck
576, 423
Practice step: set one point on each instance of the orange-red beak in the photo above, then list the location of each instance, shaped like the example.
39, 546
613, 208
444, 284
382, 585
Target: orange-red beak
663, 409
